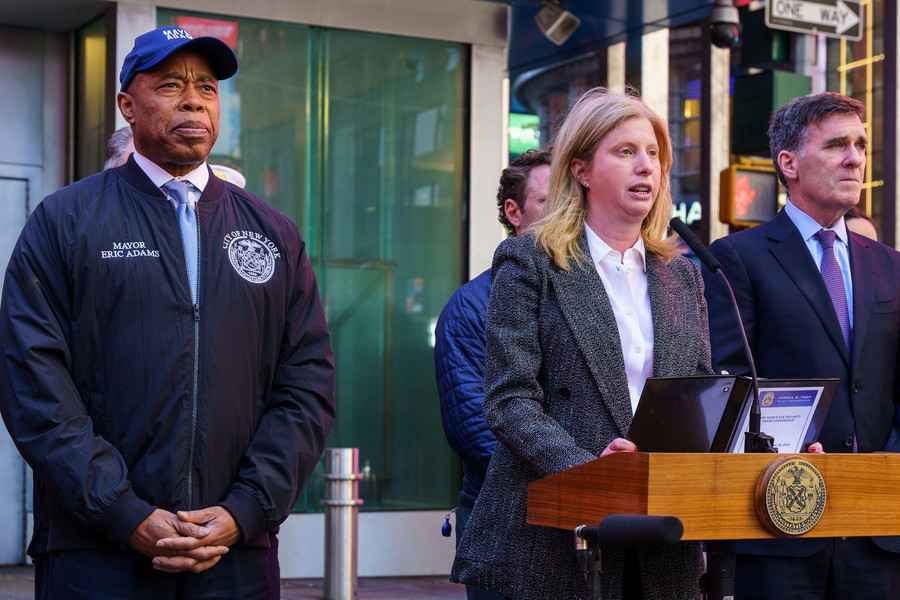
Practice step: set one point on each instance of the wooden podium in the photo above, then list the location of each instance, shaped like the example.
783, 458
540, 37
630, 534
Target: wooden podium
713, 494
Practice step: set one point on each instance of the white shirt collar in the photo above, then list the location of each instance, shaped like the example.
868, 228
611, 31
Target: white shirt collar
600, 249
809, 227
199, 177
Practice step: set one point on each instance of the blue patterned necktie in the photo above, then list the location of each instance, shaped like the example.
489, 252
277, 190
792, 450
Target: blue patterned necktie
187, 222
834, 281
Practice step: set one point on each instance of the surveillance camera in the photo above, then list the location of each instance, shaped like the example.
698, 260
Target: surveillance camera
555, 23
724, 25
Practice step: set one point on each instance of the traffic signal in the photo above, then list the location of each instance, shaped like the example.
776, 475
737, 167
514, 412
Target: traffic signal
748, 194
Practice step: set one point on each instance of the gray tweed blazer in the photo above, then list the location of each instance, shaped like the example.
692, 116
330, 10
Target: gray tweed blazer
556, 395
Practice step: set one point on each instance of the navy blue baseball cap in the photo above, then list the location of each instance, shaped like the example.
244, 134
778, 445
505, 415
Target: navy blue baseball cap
155, 46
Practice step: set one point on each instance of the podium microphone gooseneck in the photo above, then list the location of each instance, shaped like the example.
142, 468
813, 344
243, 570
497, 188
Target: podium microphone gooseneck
754, 439
720, 557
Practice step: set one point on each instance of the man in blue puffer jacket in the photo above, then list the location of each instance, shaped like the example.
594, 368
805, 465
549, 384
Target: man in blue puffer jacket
459, 345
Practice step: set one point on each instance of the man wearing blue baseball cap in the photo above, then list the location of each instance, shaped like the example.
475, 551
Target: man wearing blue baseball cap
166, 364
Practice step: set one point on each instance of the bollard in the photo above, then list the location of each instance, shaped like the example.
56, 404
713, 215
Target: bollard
342, 502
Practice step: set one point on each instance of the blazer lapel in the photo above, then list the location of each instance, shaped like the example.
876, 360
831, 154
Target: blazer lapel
666, 320
862, 271
589, 314
791, 252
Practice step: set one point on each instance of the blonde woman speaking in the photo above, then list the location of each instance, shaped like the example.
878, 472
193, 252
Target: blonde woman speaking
583, 310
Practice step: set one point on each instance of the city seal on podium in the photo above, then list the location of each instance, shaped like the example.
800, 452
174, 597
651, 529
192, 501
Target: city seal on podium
790, 497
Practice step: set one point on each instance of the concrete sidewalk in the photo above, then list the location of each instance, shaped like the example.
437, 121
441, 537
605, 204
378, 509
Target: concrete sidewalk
17, 583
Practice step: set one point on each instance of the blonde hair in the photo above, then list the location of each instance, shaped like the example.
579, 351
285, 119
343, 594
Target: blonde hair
596, 113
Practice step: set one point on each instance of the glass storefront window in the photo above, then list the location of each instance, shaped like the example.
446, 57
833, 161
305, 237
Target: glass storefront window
686, 47
360, 138
392, 185
93, 115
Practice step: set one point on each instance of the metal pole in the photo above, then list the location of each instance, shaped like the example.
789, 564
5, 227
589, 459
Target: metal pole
342, 504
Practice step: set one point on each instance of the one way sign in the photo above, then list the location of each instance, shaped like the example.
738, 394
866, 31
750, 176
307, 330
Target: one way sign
833, 18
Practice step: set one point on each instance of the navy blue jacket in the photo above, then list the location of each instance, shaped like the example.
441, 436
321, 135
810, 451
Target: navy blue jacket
459, 364
123, 395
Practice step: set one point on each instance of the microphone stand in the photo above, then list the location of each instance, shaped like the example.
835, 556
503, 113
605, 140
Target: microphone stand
755, 441
720, 565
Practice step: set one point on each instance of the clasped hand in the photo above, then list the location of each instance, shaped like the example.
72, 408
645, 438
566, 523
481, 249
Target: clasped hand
187, 541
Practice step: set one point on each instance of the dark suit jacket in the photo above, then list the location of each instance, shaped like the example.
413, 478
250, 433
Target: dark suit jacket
557, 394
793, 332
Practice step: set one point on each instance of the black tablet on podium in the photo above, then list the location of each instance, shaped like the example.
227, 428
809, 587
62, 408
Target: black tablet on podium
709, 413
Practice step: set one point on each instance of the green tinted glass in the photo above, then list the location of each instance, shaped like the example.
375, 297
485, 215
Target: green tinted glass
359, 137
524, 133
392, 189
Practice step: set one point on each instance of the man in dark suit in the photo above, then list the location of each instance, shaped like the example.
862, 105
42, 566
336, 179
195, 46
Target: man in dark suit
818, 301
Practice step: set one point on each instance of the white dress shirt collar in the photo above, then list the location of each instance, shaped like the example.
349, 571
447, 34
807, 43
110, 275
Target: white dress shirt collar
199, 177
809, 227
635, 256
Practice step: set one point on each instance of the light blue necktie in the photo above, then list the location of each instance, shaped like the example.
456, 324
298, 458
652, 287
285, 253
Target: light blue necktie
187, 222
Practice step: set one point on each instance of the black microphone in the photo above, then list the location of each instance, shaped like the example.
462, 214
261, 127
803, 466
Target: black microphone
632, 530
754, 439
702, 252
620, 530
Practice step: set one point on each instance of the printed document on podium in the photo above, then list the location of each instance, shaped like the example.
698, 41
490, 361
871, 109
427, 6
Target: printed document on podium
787, 414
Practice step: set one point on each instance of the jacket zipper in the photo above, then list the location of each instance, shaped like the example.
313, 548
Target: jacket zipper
196, 375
